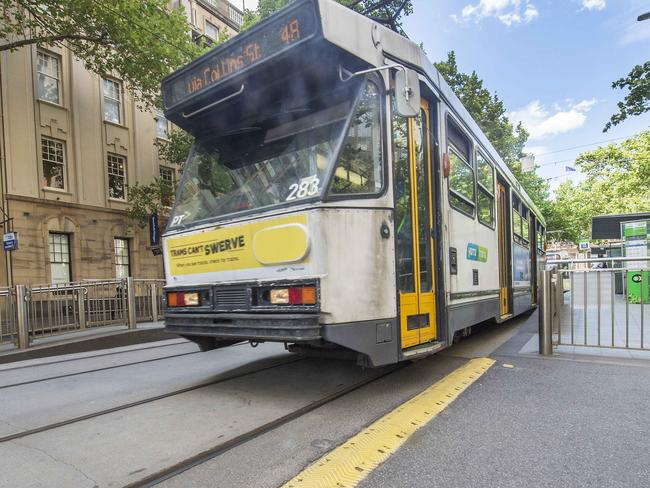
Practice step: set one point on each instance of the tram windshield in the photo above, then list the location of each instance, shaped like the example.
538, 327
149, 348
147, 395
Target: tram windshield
284, 158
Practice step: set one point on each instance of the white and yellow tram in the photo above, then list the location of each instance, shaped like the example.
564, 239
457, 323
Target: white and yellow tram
339, 198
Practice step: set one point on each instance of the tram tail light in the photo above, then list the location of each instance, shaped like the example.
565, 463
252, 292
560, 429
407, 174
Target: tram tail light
303, 295
183, 299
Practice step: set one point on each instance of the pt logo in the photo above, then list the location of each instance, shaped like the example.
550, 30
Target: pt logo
637, 278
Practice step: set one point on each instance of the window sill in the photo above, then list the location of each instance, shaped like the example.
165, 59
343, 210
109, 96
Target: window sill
118, 200
115, 124
59, 191
52, 104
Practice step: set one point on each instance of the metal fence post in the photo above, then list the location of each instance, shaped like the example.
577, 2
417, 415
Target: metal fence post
545, 314
22, 317
130, 303
81, 306
154, 301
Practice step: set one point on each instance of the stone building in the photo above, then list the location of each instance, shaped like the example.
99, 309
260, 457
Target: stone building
70, 144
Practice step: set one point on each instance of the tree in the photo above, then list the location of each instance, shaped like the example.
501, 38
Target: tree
487, 110
387, 12
144, 200
138, 41
617, 181
637, 101
508, 139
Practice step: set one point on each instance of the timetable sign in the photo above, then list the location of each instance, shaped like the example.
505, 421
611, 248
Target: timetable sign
244, 51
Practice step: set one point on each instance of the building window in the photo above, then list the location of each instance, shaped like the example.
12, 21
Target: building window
122, 257
116, 177
112, 101
59, 257
211, 30
485, 199
167, 175
53, 157
162, 126
48, 77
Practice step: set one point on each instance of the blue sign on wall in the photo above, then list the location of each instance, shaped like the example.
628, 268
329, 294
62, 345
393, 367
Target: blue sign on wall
10, 241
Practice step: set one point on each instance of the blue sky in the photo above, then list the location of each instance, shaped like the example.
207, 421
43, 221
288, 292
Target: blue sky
551, 62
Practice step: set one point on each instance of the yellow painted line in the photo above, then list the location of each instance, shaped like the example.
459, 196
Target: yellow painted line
347, 465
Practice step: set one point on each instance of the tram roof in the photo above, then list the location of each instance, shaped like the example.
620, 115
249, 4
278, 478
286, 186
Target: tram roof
339, 26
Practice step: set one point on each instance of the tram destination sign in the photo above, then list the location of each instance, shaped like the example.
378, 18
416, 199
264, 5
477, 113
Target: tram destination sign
268, 39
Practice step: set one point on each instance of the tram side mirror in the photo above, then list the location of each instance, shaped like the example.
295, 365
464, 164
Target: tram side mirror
407, 93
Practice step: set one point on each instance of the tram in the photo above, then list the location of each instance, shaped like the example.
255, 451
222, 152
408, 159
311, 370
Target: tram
338, 198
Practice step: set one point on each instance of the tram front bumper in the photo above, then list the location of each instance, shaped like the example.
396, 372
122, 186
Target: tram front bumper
246, 326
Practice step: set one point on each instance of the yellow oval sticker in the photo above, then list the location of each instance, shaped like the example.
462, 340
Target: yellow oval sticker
281, 244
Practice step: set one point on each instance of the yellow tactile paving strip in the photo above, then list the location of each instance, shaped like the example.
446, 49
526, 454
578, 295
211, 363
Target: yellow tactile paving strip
348, 464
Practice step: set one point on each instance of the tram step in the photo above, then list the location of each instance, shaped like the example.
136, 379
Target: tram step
422, 349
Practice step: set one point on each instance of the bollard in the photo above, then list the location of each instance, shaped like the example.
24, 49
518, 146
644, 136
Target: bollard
545, 314
21, 316
130, 303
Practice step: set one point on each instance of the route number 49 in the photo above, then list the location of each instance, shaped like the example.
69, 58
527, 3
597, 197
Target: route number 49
306, 187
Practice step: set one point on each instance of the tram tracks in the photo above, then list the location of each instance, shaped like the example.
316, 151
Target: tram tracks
117, 408
77, 373
221, 448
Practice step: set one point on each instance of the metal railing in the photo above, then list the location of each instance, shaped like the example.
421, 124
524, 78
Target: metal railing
593, 306
8, 330
37, 311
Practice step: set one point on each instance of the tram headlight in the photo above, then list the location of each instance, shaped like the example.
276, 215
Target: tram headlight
279, 296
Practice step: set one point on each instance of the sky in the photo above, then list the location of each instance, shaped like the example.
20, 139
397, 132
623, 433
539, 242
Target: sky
552, 62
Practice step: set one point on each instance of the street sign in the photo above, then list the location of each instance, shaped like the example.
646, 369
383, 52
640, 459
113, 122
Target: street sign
10, 241
154, 234
583, 245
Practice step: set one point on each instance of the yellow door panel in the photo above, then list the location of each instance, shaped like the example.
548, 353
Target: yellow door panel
412, 165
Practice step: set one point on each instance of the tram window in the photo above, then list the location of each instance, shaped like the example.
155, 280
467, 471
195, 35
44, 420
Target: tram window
403, 209
461, 183
485, 200
360, 165
525, 230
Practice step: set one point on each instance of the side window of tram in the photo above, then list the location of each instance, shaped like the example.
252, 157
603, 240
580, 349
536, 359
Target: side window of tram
462, 194
485, 191
359, 168
403, 209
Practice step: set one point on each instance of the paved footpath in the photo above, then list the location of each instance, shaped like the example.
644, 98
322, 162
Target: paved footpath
570, 422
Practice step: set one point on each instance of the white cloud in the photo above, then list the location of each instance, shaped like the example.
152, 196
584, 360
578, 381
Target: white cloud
509, 12
541, 123
594, 4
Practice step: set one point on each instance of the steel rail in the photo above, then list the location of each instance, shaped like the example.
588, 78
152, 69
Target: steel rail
105, 368
202, 457
47, 363
106, 411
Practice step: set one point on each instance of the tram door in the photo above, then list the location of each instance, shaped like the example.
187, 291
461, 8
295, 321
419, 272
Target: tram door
414, 228
504, 250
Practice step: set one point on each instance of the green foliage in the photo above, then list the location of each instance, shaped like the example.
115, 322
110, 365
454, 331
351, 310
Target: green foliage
388, 12
145, 199
617, 181
509, 140
487, 110
176, 148
637, 101
138, 41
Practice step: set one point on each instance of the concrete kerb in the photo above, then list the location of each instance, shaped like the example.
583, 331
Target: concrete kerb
90, 340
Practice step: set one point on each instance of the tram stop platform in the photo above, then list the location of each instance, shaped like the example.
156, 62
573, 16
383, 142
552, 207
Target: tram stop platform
86, 341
